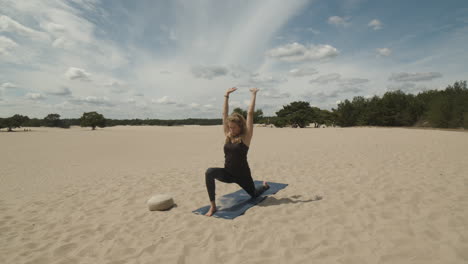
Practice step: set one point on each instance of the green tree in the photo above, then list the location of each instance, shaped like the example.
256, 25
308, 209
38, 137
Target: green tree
34, 122
92, 119
297, 113
346, 114
258, 114
458, 97
278, 121
317, 116
240, 111
14, 121
373, 111
52, 120
447, 108
465, 120
361, 113
326, 117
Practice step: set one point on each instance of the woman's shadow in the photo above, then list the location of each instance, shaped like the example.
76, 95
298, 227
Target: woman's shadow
269, 201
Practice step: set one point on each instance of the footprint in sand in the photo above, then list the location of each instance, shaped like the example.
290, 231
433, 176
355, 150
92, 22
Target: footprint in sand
88, 251
31, 245
5, 229
40, 260
149, 249
110, 235
433, 234
64, 249
462, 253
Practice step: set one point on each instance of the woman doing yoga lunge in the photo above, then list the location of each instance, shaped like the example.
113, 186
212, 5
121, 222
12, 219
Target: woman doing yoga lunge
236, 169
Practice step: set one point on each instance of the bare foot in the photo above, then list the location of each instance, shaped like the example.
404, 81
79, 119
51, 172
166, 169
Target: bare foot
211, 211
265, 185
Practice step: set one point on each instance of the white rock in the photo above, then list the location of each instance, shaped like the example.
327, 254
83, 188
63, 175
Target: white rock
160, 202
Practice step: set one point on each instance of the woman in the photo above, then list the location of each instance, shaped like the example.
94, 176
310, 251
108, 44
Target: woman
236, 169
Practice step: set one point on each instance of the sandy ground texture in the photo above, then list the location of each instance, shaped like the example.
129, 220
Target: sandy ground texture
390, 195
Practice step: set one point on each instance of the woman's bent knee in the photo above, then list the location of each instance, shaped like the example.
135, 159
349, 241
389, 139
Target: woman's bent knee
209, 171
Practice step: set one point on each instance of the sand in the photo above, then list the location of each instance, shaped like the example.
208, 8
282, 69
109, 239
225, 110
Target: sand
390, 195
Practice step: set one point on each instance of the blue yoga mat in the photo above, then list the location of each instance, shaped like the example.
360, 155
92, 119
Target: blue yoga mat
235, 204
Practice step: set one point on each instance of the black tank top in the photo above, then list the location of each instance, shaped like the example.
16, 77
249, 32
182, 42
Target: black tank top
236, 157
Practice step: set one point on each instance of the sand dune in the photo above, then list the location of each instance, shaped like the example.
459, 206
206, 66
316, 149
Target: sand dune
390, 195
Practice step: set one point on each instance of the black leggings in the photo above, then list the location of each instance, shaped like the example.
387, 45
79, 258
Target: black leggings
221, 174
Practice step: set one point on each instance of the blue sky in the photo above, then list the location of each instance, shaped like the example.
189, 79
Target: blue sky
176, 59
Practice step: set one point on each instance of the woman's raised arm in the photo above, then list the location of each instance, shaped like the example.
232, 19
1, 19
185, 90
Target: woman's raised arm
250, 113
226, 109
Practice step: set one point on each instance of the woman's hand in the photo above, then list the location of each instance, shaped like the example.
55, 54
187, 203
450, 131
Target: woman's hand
254, 90
230, 90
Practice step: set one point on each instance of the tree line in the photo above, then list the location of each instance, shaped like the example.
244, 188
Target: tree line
433, 108
446, 108
93, 120
441, 109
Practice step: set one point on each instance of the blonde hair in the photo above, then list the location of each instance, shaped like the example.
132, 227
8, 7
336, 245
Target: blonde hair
239, 120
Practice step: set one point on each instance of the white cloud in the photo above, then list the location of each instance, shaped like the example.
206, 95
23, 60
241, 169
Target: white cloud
92, 100
326, 98
194, 105
352, 81
338, 21
61, 91
209, 72
130, 100
34, 96
320, 96
314, 31
301, 72
98, 100
171, 33
238, 71
345, 85
273, 93
8, 24
407, 87
62, 43
262, 79
6, 45
164, 100
77, 74
295, 52
375, 24
351, 89
113, 82
54, 28
181, 105
414, 77
384, 51
117, 86
324, 79
8, 85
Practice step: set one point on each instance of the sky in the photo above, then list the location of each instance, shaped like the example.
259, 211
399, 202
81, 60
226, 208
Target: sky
176, 59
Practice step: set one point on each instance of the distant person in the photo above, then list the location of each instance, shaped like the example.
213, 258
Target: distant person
236, 169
